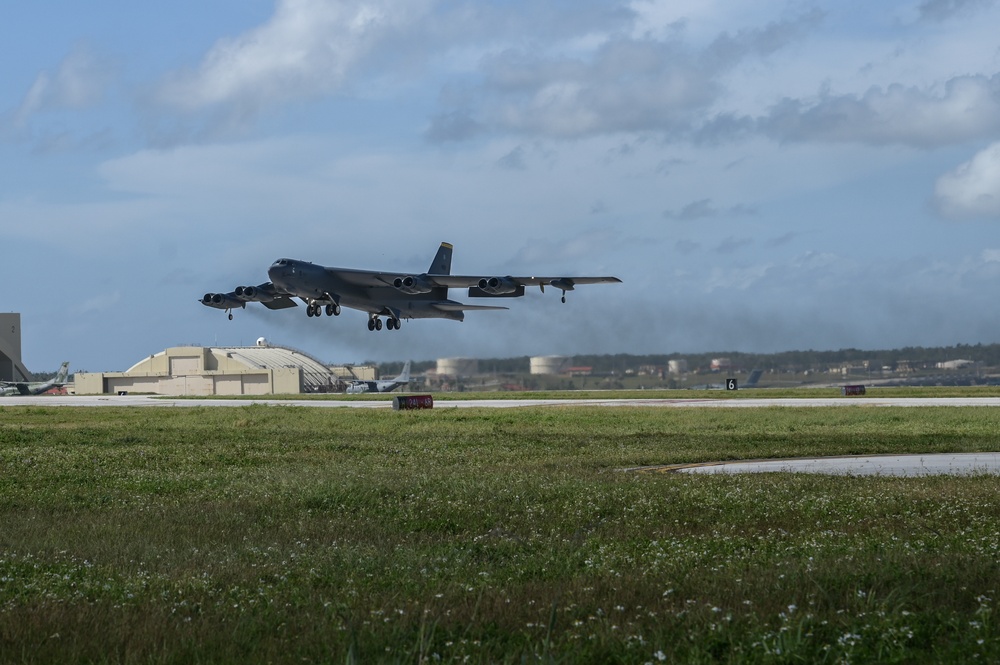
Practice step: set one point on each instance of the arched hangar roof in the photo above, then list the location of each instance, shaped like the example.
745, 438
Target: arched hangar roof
315, 375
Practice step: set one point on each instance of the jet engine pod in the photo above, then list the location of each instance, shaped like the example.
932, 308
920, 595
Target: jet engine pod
413, 285
497, 286
221, 300
246, 291
564, 284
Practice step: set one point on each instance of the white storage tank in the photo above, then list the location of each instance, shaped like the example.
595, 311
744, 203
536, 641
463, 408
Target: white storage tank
550, 364
677, 366
457, 366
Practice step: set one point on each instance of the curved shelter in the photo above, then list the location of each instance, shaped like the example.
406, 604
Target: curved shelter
197, 370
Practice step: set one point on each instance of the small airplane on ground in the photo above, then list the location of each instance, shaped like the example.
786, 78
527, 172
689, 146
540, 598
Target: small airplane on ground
383, 386
35, 387
393, 295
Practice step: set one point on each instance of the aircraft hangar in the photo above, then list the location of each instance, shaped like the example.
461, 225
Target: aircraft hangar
197, 370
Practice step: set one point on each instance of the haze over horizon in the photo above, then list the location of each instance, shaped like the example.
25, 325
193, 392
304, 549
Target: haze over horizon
763, 176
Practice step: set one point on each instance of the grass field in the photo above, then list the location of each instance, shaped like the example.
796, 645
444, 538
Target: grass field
284, 534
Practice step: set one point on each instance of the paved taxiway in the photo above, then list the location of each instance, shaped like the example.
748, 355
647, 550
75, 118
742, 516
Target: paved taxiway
956, 464
150, 400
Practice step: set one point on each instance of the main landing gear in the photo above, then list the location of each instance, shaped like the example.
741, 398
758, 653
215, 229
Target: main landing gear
316, 309
375, 323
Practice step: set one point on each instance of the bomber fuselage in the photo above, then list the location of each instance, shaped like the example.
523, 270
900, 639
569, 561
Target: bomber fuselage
354, 289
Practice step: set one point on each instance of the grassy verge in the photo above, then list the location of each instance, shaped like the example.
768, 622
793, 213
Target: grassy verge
287, 535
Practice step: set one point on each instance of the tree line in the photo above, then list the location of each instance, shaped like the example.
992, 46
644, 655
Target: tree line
786, 361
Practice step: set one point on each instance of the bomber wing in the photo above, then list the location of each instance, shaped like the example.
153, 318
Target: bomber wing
513, 287
368, 278
266, 294
452, 306
463, 281
364, 278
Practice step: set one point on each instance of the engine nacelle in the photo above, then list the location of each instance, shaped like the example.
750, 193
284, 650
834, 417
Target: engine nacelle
222, 300
263, 293
413, 285
497, 286
564, 284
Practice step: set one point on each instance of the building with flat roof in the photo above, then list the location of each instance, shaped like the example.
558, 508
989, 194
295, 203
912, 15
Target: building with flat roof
11, 367
197, 370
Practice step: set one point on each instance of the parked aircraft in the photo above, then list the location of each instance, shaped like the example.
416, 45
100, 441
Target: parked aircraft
35, 387
383, 386
393, 295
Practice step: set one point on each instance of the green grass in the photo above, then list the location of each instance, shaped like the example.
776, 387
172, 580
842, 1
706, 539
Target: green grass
284, 534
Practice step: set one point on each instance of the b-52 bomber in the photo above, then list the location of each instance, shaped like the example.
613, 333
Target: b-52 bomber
391, 295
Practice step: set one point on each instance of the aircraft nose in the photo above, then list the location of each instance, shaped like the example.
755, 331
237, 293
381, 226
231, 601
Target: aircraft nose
276, 270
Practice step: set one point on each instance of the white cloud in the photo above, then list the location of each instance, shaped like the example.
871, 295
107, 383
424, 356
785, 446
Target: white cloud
102, 302
972, 189
624, 84
309, 47
79, 81
967, 107
942, 10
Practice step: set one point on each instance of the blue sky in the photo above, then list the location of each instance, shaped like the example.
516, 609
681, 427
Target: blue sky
764, 176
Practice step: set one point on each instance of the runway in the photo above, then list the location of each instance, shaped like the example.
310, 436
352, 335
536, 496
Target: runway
917, 465
700, 403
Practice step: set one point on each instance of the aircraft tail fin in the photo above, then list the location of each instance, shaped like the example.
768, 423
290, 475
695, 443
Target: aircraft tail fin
63, 374
753, 378
441, 265
404, 376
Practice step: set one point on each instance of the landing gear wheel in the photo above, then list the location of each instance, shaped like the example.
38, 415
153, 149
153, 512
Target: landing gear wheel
371, 324
309, 311
378, 324
230, 317
564, 297
336, 309
329, 310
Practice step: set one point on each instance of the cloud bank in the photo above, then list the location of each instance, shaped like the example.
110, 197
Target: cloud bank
972, 190
307, 49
